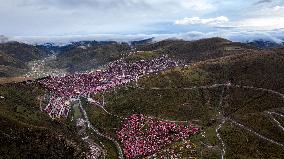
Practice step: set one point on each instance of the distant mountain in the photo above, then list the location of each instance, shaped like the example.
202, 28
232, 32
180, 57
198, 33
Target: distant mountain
14, 57
51, 47
76, 56
142, 42
81, 56
3, 39
21, 51
265, 44
203, 49
232, 91
85, 55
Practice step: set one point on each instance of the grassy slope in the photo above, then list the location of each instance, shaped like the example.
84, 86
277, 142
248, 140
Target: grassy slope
243, 105
21, 120
204, 49
259, 70
78, 59
14, 56
241, 144
29, 133
144, 55
99, 118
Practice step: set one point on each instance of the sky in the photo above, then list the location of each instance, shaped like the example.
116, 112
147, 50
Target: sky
61, 20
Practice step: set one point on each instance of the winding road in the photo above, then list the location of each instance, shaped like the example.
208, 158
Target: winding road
255, 133
120, 152
270, 114
96, 151
224, 119
220, 115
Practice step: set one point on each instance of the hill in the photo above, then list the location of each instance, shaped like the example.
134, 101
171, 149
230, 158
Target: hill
230, 98
29, 133
265, 44
21, 51
142, 42
17, 59
10, 66
89, 56
86, 55
14, 57
233, 93
204, 49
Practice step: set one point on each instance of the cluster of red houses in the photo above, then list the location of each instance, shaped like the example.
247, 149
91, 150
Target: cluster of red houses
144, 136
83, 84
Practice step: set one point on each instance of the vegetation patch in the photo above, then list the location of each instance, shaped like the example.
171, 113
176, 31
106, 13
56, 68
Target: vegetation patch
143, 55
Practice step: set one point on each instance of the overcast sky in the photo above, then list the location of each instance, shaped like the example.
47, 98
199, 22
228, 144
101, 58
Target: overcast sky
189, 19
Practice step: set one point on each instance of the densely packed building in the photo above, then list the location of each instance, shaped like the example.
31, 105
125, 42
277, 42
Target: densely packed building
117, 73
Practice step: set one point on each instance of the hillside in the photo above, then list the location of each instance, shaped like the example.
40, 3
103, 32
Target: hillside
265, 44
231, 97
204, 49
86, 56
21, 51
18, 59
233, 110
142, 42
29, 133
14, 57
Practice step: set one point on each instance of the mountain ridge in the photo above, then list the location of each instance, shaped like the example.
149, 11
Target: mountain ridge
223, 92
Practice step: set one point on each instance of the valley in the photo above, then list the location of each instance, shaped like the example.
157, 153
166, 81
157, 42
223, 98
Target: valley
167, 99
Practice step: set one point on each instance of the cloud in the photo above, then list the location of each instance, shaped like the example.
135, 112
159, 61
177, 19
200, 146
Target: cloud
63, 40
57, 18
65, 17
73, 4
119, 4
263, 1
268, 11
245, 36
266, 23
234, 35
3, 39
198, 20
278, 8
200, 5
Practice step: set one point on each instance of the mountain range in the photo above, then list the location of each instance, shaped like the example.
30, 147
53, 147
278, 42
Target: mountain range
242, 81
15, 55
